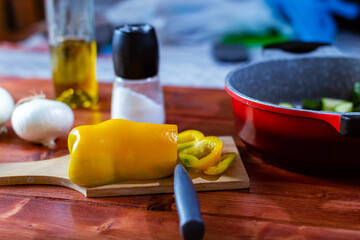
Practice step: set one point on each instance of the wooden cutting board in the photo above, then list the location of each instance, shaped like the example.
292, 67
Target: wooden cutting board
55, 172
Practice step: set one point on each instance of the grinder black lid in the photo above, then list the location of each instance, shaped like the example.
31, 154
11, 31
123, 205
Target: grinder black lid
135, 51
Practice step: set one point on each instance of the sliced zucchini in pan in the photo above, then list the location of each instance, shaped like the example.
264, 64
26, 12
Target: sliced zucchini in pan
355, 93
344, 107
311, 104
356, 109
285, 104
328, 104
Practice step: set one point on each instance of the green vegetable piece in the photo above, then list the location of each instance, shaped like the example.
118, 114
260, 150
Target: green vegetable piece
224, 163
328, 104
285, 104
311, 104
356, 109
355, 93
344, 107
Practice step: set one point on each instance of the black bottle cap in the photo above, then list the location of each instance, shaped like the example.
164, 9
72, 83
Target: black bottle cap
135, 51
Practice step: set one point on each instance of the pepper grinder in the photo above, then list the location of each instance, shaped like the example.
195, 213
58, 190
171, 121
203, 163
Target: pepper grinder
137, 94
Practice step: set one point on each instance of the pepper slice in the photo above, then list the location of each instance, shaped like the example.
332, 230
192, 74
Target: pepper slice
223, 164
202, 154
188, 138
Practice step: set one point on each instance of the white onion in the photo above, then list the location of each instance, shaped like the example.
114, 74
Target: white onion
42, 121
6, 108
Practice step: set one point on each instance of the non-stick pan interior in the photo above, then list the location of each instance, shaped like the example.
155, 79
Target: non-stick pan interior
296, 79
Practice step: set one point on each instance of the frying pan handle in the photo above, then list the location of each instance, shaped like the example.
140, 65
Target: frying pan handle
350, 125
291, 50
296, 47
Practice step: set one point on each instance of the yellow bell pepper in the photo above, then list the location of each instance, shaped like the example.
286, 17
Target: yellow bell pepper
223, 164
202, 154
118, 150
188, 138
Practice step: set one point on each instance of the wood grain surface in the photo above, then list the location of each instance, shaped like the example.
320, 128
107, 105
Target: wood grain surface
278, 205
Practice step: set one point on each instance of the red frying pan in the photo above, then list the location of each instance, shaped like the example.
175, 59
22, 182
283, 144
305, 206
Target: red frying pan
307, 141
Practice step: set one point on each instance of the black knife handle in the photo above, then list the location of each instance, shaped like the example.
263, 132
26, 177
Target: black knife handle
191, 223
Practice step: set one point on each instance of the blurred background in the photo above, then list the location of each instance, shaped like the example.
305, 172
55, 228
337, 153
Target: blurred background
200, 40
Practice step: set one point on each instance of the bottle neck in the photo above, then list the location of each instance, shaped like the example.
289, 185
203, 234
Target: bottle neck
137, 81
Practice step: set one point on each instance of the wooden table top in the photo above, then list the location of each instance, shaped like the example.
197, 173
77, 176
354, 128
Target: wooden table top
278, 205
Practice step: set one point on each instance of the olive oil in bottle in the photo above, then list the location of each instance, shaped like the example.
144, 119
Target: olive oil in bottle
74, 72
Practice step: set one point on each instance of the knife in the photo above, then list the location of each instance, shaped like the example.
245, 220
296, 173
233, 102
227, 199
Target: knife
191, 223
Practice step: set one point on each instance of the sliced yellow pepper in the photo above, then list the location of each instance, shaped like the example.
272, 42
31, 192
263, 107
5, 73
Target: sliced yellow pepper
188, 138
223, 164
202, 154
118, 150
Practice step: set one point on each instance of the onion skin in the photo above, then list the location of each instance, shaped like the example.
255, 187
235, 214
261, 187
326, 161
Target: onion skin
6, 108
42, 121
